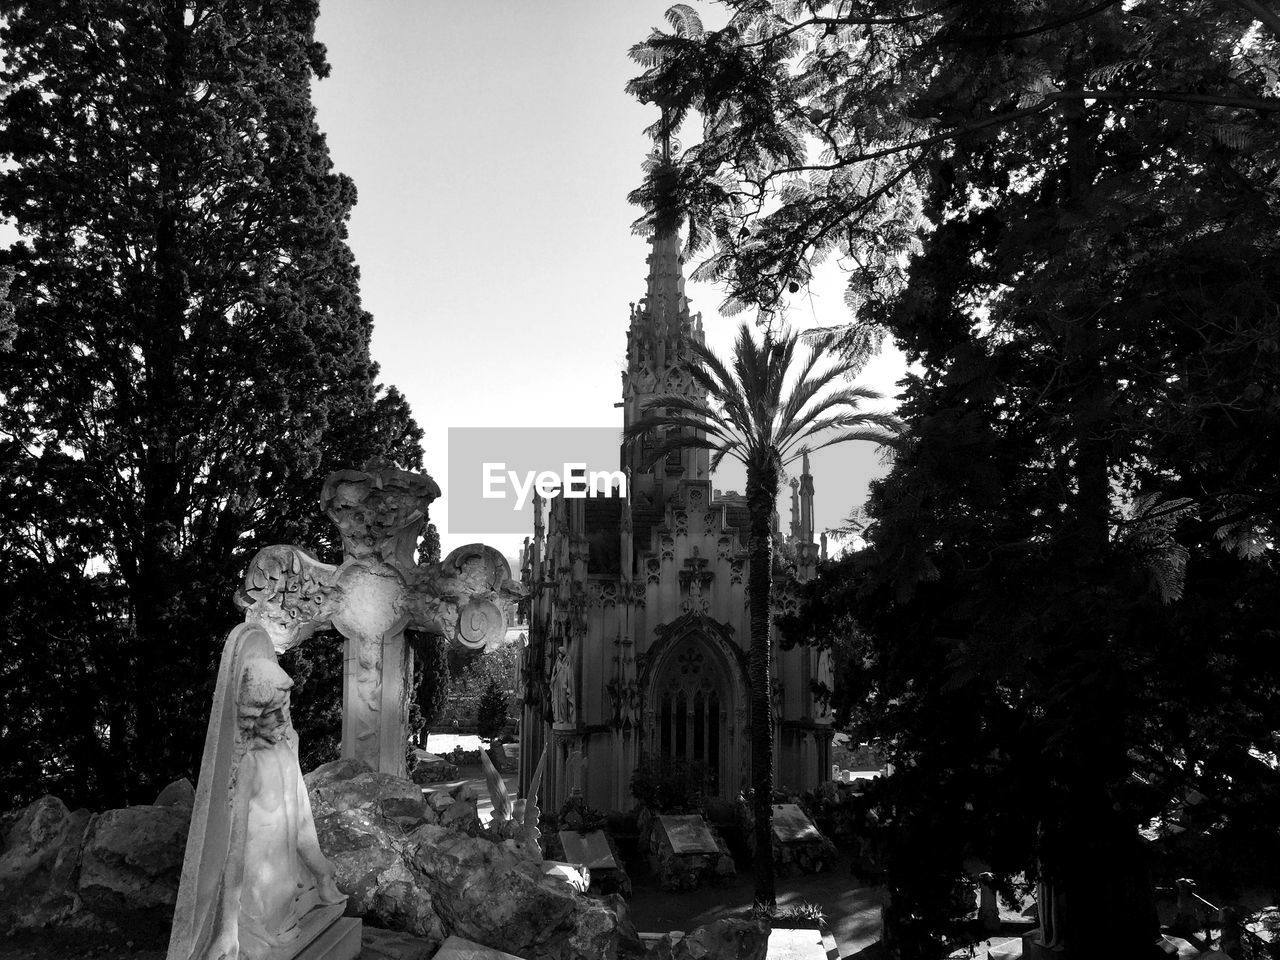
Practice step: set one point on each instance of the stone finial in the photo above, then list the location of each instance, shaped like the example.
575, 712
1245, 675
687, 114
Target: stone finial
380, 510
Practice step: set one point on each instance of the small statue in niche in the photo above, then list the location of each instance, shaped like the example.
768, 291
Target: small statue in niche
255, 885
562, 693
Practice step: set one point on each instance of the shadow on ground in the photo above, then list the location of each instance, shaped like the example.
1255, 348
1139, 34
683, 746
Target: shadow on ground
852, 911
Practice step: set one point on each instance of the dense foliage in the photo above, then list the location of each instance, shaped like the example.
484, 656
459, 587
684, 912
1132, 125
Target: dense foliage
190, 359
491, 711
1068, 219
471, 673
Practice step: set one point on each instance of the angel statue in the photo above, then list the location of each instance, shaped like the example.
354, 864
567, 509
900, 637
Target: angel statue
255, 885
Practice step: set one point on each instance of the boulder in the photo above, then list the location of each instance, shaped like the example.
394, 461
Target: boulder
344, 785
461, 815
180, 793
367, 853
496, 895
38, 862
130, 866
439, 800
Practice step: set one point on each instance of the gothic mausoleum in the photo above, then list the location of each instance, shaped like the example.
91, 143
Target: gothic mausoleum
638, 622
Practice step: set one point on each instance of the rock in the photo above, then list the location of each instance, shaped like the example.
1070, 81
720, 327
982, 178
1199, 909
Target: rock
38, 861
460, 815
724, 940
496, 895
438, 800
367, 853
130, 866
343, 785
180, 793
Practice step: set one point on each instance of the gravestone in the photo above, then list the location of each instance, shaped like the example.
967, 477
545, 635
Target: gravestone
591, 849
797, 843
792, 825
687, 834
685, 853
377, 593
458, 948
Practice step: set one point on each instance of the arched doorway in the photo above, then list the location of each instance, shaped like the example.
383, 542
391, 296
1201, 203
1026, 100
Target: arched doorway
693, 706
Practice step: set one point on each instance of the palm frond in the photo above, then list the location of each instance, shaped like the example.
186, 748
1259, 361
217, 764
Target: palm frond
880, 437
849, 398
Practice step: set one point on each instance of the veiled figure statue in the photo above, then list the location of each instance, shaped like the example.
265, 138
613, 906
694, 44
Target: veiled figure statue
255, 885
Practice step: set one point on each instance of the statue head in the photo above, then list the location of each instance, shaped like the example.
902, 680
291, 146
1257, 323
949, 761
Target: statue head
263, 703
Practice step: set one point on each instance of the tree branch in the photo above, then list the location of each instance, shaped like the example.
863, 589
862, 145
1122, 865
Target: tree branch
1042, 28
1262, 104
852, 21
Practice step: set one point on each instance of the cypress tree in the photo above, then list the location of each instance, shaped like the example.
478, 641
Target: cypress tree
190, 359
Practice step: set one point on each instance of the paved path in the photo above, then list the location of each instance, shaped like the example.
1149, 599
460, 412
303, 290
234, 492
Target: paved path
852, 910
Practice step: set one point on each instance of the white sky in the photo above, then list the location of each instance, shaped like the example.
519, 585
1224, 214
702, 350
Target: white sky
493, 145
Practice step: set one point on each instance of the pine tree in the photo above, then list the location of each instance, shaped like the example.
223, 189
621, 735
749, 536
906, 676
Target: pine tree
191, 358
491, 712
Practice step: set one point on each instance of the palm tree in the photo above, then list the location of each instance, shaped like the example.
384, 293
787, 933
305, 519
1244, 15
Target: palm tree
767, 413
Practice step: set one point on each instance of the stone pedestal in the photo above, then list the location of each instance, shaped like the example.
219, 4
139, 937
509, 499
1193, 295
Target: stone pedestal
339, 941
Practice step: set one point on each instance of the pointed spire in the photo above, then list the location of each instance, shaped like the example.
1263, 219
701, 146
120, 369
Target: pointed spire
795, 509
665, 302
806, 502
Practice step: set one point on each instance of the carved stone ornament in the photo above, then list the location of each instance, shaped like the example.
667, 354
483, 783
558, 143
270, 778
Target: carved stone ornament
255, 884
374, 595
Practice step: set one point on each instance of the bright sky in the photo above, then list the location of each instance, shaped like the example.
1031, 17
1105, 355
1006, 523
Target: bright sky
493, 146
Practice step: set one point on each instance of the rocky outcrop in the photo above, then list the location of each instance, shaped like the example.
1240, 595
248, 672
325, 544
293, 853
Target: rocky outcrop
130, 866
39, 860
495, 895
117, 870
351, 785
368, 856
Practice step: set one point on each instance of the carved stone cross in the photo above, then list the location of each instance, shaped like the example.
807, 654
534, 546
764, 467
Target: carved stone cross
374, 595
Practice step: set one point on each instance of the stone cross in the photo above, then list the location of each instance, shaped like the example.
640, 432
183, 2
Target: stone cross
374, 595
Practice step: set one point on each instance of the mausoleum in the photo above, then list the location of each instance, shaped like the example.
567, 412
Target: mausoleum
638, 624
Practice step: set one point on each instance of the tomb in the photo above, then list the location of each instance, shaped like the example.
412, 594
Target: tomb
685, 853
797, 843
255, 883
